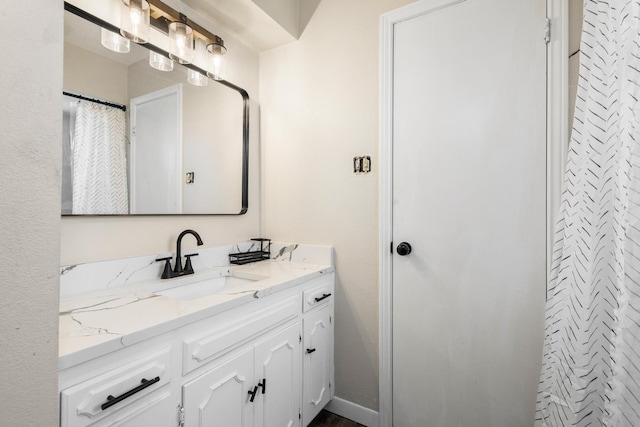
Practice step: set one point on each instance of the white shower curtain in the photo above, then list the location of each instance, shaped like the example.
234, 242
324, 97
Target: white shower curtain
591, 364
99, 160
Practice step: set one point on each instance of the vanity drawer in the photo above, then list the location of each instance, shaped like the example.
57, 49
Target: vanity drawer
100, 396
229, 335
318, 295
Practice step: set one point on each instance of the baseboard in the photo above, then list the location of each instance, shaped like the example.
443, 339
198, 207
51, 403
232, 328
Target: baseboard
353, 411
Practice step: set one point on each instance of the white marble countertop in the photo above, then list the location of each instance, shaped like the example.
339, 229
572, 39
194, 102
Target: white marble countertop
100, 322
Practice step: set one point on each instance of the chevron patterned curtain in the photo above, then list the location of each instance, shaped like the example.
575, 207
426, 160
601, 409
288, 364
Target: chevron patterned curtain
591, 363
99, 160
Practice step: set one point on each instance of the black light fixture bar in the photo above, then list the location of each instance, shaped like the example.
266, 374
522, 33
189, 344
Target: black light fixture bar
162, 15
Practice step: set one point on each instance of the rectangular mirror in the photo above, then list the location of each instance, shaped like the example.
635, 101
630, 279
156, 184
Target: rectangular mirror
139, 141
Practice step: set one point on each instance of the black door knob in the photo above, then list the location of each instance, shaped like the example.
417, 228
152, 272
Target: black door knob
403, 249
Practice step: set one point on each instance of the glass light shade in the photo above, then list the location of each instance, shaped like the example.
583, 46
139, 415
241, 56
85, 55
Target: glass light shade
196, 78
134, 22
217, 65
114, 42
180, 42
200, 58
160, 62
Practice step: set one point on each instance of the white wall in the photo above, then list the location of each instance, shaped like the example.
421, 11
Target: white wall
93, 75
86, 239
31, 122
575, 28
319, 101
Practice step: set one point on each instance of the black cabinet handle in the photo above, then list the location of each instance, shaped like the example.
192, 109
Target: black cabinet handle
113, 400
310, 350
263, 385
324, 296
253, 393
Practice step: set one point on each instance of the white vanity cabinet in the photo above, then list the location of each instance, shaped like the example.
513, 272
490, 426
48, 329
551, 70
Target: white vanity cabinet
317, 350
258, 386
131, 393
278, 366
266, 363
219, 397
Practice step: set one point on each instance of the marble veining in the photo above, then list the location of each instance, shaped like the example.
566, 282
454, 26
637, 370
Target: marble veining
80, 279
286, 250
109, 305
68, 268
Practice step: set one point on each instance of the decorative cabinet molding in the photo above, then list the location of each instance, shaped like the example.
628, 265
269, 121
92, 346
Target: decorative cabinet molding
91, 400
248, 366
224, 337
317, 361
278, 367
219, 397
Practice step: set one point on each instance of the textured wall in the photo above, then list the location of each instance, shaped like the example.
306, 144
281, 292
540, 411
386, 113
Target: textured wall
319, 100
30, 86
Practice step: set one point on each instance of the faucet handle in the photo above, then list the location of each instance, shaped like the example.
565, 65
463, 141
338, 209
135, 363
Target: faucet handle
166, 272
188, 268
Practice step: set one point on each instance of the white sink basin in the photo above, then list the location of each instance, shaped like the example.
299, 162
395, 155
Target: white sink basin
208, 287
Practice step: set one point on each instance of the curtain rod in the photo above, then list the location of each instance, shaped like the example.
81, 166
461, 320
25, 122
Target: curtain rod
97, 101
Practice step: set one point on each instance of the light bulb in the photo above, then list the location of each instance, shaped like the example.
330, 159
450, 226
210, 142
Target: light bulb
217, 68
134, 22
180, 42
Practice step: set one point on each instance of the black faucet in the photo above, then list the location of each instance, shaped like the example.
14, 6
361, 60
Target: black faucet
178, 270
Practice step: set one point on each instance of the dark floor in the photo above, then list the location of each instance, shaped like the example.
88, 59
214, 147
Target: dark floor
327, 419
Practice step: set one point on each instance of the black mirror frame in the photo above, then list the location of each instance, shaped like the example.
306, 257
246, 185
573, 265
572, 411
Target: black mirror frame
245, 120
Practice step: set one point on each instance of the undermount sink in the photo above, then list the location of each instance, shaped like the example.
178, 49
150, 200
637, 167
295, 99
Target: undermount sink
209, 286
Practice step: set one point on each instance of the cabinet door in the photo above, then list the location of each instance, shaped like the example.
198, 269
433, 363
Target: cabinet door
220, 397
317, 362
278, 372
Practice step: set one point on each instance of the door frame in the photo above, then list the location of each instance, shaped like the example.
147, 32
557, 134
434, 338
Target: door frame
134, 103
557, 143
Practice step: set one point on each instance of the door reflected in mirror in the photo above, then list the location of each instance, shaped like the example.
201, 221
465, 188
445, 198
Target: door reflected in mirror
138, 140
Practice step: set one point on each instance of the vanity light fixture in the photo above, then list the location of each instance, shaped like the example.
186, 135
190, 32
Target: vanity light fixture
183, 32
189, 43
114, 42
160, 62
217, 69
181, 41
135, 22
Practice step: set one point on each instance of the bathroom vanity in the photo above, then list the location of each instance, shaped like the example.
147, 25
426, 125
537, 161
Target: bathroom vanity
248, 345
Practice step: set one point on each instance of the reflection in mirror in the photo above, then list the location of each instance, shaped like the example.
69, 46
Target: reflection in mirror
138, 140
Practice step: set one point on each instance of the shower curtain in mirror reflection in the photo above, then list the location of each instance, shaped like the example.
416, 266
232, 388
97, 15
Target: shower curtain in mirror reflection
591, 361
99, 160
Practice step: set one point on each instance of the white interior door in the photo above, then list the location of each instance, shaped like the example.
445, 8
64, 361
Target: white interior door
469, 185
156, 152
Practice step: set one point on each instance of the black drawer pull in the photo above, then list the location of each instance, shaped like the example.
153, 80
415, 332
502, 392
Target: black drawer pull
113, 400
324, 296
253, 393
310, 350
